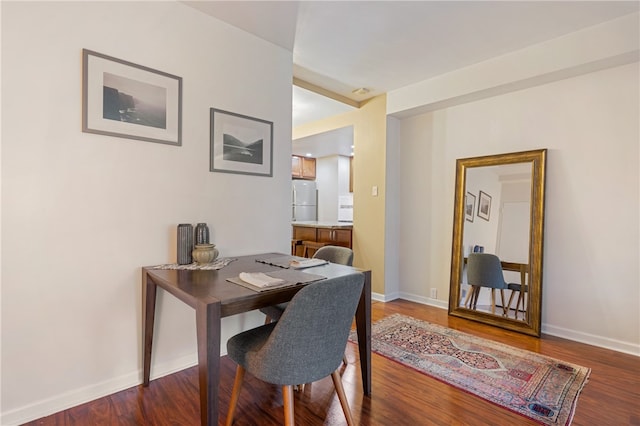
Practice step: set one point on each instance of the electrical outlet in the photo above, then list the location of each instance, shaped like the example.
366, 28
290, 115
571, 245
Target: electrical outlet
434, 293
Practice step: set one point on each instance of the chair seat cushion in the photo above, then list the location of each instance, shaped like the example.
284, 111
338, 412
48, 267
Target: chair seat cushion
516, 287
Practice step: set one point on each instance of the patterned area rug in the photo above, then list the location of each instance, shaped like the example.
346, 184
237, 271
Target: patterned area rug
538, 387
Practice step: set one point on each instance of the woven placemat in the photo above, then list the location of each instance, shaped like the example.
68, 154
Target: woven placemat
216, 264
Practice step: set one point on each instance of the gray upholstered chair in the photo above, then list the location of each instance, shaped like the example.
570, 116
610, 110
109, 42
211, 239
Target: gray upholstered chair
333, 254
305, 345
485, 270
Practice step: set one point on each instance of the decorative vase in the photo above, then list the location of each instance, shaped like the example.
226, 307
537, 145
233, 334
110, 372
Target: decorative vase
205, 253
202, 233
185, 243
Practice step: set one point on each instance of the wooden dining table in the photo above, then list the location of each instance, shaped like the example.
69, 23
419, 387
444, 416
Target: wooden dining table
213, 297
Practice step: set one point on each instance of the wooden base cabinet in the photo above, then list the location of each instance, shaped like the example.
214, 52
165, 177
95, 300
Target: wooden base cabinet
335, 237
304, 233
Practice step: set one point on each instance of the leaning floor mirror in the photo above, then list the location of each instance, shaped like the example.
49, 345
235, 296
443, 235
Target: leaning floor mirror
498, 223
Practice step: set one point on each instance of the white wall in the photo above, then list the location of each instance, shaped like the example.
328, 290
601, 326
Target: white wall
81, 213
327, 183
483, 232
392, 235
590, 125
344, 169
332, 179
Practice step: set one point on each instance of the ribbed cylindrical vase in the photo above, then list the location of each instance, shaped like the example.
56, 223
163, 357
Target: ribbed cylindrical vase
202, 233
185, 243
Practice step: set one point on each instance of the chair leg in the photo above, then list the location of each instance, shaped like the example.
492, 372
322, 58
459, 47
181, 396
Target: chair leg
513, 292
474, 293
493, 300
337, 382
466, 301
235, 393
504, 311
287, 396
267, 320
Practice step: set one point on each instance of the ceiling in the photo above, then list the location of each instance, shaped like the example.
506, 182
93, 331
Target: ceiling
385, 45
309, 106
333, 142
341, 46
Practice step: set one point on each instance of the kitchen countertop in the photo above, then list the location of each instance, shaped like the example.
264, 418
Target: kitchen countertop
323, 224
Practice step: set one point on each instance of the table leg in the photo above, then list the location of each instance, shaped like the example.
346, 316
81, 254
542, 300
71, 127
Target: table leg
148, 315
363, 327
208, 337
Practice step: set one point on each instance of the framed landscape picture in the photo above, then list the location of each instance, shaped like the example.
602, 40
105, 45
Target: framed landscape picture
126, 100
469, 206
240, 144
484, 205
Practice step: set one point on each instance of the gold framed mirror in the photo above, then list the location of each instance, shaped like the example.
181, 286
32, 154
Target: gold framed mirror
499, 211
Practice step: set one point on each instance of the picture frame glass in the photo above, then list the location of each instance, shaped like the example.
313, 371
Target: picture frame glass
241, 144
484, 205
469, 206
132, 101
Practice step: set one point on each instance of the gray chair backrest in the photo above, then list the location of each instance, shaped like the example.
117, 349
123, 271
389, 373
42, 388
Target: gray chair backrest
307, 343
485, 270
335, 254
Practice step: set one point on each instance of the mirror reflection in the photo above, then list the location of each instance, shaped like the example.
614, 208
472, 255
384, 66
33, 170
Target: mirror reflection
497, 241
497, 216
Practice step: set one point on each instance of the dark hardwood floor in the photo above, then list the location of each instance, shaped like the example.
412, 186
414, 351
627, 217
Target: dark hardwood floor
400, 395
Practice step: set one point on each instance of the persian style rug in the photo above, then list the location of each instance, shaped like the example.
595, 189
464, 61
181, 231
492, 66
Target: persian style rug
535, 386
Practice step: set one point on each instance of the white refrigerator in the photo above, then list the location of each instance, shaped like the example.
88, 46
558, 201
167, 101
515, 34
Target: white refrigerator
304, 197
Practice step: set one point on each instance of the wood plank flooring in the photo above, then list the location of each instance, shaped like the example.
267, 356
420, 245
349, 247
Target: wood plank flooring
400, 395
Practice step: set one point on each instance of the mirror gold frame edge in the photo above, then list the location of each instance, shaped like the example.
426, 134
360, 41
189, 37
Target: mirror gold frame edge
538, 160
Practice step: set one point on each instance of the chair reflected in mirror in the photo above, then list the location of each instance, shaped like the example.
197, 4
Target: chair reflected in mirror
485, 270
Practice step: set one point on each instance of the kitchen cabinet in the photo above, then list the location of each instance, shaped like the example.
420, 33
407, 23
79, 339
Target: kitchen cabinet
335, 237
335, 234
303, 167
304, 233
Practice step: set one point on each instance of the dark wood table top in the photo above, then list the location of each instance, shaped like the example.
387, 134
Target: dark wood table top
211, 286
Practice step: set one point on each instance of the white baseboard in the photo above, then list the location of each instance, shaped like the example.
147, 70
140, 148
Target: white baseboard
378, 297
442, 304
576, 336
592, 339
76, 397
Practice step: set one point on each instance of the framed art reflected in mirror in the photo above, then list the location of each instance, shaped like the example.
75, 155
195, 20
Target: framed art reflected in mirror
469, 206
